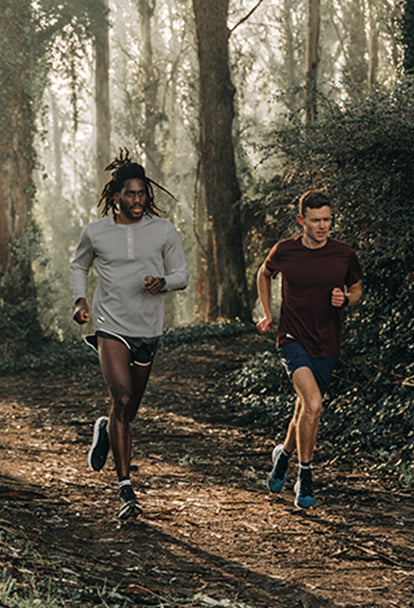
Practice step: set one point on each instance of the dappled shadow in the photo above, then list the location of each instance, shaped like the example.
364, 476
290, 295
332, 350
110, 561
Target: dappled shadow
209, 524
169, 566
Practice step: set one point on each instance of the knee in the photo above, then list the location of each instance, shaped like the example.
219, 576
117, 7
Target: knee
313, 408
123, 407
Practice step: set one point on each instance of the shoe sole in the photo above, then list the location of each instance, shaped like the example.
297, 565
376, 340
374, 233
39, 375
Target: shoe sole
130, 510
308, 507
276, 484
95, 442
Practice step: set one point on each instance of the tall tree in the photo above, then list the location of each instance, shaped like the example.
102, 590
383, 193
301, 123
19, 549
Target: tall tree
99, 19
149, 83
373, 46
312, 60
205, 298
27, 32
219, 187
288, 35
16, 147
355, 69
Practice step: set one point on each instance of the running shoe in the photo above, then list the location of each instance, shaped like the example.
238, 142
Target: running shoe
305, 498
100, 445
277, 477
130, 507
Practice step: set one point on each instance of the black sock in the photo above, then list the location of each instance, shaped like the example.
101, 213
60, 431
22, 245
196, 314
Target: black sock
305, 470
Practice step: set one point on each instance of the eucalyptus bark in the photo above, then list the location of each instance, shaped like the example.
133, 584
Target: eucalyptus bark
205, 298
102, 101
149, 89
220, 191
356, 69
57, 147
16, 150
373, 47
289, 52
312, 61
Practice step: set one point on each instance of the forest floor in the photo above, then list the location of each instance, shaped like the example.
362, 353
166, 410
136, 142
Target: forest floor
210, 534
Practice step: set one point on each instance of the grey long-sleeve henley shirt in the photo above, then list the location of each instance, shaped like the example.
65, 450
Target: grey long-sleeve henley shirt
124, 255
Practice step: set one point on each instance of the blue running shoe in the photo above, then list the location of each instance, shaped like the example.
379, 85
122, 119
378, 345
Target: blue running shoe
277, 477
304, 494
100, 445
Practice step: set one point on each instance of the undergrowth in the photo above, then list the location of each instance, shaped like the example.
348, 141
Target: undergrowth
50, 353
374, 430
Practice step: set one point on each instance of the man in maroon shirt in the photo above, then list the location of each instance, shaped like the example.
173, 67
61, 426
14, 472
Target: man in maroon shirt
320, 276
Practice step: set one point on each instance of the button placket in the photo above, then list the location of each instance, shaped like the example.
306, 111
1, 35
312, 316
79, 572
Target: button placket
130, 244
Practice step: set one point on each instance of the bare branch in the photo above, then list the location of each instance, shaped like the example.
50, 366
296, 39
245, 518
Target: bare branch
249, 14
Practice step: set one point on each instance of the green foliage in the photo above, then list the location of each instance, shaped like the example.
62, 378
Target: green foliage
19, 327
34, 591
49, 353
25, 594
46, 354
407, 35
175, 337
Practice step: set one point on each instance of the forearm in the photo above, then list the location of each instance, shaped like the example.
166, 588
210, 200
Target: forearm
354, 293
176, 274
264, 292
176, 280
79, 266
78, 280
350, 297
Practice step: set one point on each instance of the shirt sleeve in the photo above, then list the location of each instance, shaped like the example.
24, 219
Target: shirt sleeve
355, 272
177, 276
79, 266
271, 262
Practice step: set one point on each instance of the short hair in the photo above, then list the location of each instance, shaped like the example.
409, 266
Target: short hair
123, 168
313, 199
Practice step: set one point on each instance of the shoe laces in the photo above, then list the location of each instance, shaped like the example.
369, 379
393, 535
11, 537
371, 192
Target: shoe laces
306, 486
280, 469
127, 494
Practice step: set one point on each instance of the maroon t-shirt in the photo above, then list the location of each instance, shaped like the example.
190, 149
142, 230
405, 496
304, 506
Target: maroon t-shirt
308, 277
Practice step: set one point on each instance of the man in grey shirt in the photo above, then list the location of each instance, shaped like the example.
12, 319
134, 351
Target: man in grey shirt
138, 257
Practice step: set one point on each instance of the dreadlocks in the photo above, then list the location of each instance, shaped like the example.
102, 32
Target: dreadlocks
123, 168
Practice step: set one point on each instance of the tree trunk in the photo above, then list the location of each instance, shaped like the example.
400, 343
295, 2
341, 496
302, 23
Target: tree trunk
16, 149
102, 107
149, 90
220, 192
289, 53
312, 61
373, 47
355, 70
205, 297
57, 148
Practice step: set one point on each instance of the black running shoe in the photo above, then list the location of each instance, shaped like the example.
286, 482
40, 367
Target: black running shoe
130, 507
305, 498
100, 445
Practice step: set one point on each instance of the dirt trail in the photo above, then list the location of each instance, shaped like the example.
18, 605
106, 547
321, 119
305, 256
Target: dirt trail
210, 532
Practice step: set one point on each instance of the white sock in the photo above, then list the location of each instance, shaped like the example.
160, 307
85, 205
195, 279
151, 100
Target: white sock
124, 482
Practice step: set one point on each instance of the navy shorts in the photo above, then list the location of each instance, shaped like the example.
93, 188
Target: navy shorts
142, 349
293, 356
